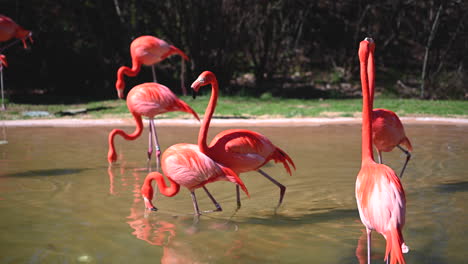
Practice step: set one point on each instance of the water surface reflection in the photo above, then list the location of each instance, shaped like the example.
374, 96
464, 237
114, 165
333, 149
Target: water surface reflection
61, 202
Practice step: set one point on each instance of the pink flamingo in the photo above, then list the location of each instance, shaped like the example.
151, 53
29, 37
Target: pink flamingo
241, 150
146, 50
379, 193
184, 165
387, 130
148, 99
3, 63
9, 30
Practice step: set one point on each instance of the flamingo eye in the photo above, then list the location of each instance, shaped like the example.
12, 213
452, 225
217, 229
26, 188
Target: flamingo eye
201, 80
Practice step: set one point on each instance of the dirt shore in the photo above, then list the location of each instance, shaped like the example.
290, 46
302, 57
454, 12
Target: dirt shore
274, 122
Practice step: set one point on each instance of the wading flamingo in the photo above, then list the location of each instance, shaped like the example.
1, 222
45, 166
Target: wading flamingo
379, 193
241, 150
146, 50
184, 165
9, 30
387, 129
148, 99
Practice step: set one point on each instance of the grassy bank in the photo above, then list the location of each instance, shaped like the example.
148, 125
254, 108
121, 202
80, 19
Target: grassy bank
245, 107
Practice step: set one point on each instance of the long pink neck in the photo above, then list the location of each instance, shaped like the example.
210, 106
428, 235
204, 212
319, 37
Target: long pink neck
366, 116
203, 133
131, 72
168, 191
371, 77
112, 155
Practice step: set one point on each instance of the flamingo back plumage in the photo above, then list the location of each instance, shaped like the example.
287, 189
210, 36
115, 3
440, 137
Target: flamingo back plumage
150, 99
187, 166
388, 131
149, 50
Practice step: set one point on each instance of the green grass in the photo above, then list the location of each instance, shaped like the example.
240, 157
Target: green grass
249, 107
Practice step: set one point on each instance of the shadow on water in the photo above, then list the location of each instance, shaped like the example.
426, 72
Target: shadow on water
455, 186
51, 172
320, 215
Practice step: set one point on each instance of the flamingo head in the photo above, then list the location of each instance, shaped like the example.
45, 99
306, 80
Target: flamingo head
205, 78
364, 48
120, 86
147, 193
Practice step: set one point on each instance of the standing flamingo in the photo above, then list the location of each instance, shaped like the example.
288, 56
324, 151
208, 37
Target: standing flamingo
148, 99
3, 63
387, 129
146, 50
184, 165
379, 193
9, 30
241, 150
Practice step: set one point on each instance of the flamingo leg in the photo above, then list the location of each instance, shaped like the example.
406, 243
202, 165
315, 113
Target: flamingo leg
195, 204
380, 156
368, 245
150, 145
153, 70
238, 196
408, 157
156, 144
282, 187
218, 207
1, 84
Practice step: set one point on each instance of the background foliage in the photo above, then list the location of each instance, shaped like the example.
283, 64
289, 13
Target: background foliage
288, 48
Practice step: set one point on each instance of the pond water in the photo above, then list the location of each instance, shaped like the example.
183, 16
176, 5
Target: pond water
61, 203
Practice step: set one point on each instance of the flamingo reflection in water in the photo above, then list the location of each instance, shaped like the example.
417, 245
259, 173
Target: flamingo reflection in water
163, 232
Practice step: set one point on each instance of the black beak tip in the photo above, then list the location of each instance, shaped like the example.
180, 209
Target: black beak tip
194, 94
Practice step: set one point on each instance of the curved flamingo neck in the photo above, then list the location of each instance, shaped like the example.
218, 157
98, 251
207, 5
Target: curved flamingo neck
131, 72
367, 154
138, 130
168, 191
371, 75
203, 133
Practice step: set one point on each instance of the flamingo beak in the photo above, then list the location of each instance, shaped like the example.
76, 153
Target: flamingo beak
149, 205
194, 94
120, 93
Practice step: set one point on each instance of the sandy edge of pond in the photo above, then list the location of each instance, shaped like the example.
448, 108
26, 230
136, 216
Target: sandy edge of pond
273, 122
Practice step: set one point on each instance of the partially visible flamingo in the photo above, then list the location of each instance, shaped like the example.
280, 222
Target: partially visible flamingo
387, 130
145, 50
148, 99
9, 30
241, 150
3, 63
379, 193
184, 165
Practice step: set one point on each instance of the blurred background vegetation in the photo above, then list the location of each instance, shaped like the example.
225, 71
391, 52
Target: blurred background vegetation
279, 48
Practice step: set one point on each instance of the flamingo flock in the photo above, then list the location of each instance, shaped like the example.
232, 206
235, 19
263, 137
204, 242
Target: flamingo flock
379, 192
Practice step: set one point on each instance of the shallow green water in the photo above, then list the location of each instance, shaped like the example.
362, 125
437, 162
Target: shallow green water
60, 204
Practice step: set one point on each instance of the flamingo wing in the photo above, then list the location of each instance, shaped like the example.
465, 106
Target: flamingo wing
381, 198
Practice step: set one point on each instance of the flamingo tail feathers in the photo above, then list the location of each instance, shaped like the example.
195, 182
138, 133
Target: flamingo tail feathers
405, 142
233, 177
186, 108
175, 50
280, 156
395, 247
